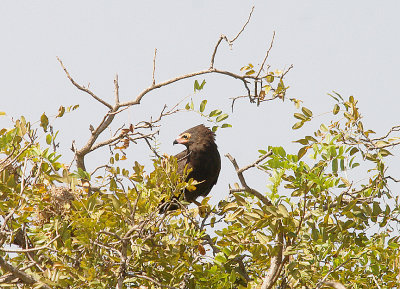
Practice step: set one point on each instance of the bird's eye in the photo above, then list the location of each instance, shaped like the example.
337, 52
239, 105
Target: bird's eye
185, 136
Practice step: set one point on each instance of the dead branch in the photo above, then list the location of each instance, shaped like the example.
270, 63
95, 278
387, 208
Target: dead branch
154, 66
80, 87
266, 56
116, 89
230, 42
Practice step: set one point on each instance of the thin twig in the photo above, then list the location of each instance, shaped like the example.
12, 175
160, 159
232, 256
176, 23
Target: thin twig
154, 66
260, 159
80, 87
267, 54
254, 192
244, 26
322, 281
223, 37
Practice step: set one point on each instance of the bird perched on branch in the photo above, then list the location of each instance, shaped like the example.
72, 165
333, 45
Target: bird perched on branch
202, 157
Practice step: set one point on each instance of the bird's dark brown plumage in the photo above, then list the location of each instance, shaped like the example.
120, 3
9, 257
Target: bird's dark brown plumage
202, 157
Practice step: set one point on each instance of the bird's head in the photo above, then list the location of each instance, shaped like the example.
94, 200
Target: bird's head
195, 135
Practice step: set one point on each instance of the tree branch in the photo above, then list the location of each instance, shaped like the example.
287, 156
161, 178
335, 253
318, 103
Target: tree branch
276, 265
266, 56
30, 249
239, 173
223, 37
25, 278
80, 87
154, 66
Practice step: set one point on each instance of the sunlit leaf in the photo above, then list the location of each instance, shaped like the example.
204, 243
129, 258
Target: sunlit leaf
298, 125
306, 112
203, 105
222, 117
336, 109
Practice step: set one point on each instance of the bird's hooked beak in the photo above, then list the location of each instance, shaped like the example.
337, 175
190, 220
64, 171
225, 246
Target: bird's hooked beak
179, 140
182, 139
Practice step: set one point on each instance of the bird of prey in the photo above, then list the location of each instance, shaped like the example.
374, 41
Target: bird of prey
202, 157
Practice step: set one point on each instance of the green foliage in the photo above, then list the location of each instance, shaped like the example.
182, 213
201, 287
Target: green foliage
215, 116
95, 230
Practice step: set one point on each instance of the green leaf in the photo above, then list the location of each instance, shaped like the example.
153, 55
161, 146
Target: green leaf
353, 151
298, 125
222, 117
262, 238
283, 211
336, 109
384, 152
48, 139
306, 112
196, 85
342, 167
302, 141
226, 125
335, 166
61, 111
215, 112
202, 84
302, 152
203, 105
250, 72
44, 122
300, 116
270, 78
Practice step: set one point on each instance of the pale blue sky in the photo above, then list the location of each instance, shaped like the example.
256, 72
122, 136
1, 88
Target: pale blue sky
348, 46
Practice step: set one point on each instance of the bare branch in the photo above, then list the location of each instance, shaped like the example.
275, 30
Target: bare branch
116, 89
395, 128
80, 87
239, 172
154, 66
244, 26
223, 37
260, 159
266, 56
